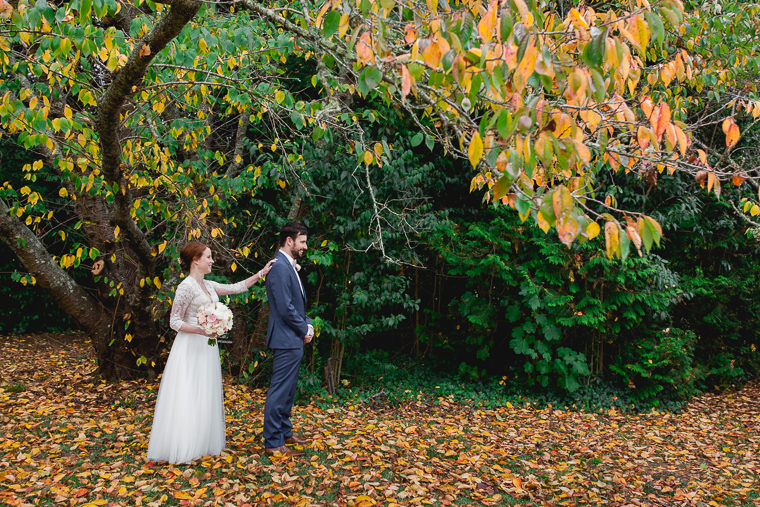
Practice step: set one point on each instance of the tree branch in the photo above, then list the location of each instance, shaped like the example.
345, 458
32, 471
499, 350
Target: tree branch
109, 113
69, 295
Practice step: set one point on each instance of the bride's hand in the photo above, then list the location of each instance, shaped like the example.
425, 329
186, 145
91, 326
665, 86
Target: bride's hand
266, 269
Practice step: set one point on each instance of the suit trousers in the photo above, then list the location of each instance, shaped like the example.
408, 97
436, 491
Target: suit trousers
282, 390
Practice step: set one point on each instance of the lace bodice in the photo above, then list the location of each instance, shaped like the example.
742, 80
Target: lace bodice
189, 296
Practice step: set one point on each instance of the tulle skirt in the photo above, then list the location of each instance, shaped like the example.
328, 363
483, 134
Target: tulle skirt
189, 418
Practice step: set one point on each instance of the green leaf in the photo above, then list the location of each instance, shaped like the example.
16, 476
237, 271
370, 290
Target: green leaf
369, 79
417, 139
507, 24
593, 53
332, 21
501, 188
85, 8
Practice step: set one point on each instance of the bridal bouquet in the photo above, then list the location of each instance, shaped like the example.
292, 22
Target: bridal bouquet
215, 319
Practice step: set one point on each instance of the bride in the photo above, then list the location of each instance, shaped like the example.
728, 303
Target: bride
189, 417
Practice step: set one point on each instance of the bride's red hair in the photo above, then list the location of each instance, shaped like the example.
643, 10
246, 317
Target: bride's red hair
190, 252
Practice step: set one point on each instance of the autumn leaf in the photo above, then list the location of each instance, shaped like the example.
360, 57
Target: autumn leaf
406, 82
731, 130
475, 149
359, 452
5, 9
364, 53
611, 239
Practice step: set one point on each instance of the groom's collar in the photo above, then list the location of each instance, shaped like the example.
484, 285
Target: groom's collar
287, 256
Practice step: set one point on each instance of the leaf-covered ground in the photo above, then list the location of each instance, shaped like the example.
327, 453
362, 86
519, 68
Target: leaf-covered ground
69, 438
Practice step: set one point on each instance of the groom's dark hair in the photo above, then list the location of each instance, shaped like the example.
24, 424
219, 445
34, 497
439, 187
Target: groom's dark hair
292, 230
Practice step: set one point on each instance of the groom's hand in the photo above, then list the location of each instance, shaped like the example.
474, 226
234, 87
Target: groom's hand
309, 334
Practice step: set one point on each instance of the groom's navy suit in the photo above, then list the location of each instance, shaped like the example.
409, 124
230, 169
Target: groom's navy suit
288, 325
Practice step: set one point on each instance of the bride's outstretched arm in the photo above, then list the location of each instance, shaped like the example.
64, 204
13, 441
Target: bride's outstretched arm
223, 289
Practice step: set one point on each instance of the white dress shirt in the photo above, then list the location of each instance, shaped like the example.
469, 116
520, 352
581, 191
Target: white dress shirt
292, 263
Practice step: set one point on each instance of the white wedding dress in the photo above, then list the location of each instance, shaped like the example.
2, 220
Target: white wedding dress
189, 418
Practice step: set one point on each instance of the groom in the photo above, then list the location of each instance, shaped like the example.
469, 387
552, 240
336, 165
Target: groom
289, 329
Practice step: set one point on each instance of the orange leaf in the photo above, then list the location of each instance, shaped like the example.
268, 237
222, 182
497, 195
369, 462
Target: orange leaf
364, 52
145, 50
567, 229
683, 141
702, 157
710, 181
731, 130
633, 235
406, 82
661, 120
410, 33
644, 137
562, 201
738, 178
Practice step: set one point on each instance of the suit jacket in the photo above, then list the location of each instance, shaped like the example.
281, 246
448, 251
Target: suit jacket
288, 323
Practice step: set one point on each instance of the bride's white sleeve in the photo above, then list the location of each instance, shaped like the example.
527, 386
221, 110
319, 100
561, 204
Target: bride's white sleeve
182, 299
223, 289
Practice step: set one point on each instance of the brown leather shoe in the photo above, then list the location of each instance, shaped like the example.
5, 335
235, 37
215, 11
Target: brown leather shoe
281, 451
294, 440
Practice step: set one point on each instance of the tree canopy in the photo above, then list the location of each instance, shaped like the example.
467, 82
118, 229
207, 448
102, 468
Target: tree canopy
150, 123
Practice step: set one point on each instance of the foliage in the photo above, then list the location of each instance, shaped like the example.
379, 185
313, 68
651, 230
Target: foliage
540, 312
662, 366
544, 99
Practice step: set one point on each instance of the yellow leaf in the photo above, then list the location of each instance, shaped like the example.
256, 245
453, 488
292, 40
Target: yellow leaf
611, 238
116, 232
543, 223
343, 25
592, 230
525, 15
644, 137
233, 267
378, 148
432, 54
577, 19
487, 23
475, 150
157, 282
161, 247
368, 157
63, 193
526, 67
